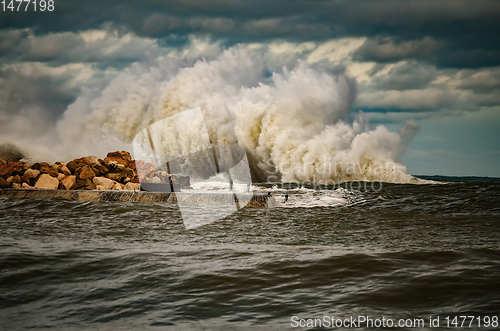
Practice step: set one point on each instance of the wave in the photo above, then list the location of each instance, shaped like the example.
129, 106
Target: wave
293, 124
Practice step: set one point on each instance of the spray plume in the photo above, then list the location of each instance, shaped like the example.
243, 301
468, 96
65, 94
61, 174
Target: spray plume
293, 124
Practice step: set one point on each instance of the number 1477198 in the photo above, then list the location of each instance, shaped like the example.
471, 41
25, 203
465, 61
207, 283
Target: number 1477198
28, 5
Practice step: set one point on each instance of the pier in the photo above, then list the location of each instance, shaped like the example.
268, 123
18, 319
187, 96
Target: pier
216, 198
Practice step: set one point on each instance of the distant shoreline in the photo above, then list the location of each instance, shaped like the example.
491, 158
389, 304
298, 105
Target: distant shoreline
458, 178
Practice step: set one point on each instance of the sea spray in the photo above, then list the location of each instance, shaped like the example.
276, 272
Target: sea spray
290, 123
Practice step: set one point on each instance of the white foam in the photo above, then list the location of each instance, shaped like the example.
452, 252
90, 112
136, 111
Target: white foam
295, 120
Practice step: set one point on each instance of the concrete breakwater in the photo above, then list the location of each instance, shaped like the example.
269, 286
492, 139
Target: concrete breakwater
250, 200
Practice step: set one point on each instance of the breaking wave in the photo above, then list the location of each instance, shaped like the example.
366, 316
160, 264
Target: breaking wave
293, 124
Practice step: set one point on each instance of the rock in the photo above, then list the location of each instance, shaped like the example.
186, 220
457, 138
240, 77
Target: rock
60, 176
65, 170
55, 167
30, 175
132, 165
112, 166
2, 162
118, 186
46, 181
16, 185
93, 160
105, 183
4, 183
119, 157
84, 172
11, 168
121, 174
145, 169
84, 184
133, 187
75, 164
26, 186
46, 168
114, 176
14, 179
128, 173
101, 168
83, 161
68, 182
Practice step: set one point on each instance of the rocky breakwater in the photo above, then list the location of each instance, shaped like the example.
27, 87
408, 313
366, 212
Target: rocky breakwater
116, 172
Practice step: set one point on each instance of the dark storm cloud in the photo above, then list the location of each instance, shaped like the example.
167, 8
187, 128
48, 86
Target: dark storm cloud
451, 33
49, 94
111, 49
386, 50
426, 36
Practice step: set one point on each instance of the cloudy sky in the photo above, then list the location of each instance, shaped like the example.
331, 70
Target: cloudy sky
433, 61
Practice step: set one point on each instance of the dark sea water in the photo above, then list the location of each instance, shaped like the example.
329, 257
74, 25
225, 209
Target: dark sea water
405, 252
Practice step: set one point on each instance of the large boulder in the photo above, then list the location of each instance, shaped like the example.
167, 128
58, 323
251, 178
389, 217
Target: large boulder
92, 161
30, 176
11, 168
114, 176
46, 181
119, 157
14, 179
85, 172
46, 168
84, 184
68, 182
120, 174
4, 183
64, 169
103, 183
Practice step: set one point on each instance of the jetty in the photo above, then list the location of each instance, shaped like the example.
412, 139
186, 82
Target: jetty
216, 198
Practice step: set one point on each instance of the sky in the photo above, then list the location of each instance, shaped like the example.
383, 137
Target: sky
436, 62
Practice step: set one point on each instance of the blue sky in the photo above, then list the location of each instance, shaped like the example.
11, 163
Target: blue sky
433, 62
456, 146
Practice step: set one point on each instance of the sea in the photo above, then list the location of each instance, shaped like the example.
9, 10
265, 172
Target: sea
389, 256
